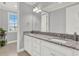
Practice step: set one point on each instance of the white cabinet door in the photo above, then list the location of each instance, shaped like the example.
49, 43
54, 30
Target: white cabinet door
46, 51
65, 51
58, 49
36, 46
28, 44
76, 52
25, 43
35, 54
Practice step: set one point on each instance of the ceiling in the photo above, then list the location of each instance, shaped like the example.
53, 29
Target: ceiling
50, 6
45, 6
40, 4
12, 6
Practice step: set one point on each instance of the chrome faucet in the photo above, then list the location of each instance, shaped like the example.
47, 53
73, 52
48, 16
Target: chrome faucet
75, 36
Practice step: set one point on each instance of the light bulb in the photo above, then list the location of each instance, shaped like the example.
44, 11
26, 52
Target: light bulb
38, 11
35, 9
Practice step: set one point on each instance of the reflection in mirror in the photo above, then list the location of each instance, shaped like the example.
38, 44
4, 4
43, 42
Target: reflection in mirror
44, 22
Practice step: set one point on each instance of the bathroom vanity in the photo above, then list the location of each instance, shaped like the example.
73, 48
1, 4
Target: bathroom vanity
38, 44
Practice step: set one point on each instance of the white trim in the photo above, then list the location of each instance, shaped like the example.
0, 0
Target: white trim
11, 42
18, 32
20, 50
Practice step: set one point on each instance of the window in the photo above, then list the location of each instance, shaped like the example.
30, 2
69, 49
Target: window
12, 22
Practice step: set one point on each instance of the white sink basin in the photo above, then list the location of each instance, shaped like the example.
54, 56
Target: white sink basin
58, 41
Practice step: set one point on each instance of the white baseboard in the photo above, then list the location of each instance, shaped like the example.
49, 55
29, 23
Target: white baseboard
20, 50
11, 42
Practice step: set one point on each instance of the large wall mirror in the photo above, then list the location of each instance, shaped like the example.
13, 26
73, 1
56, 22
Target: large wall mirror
72, 19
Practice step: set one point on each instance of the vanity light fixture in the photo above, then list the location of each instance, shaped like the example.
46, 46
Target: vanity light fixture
37, 10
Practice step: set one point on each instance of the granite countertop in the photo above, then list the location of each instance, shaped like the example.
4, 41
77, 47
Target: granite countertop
65, 42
